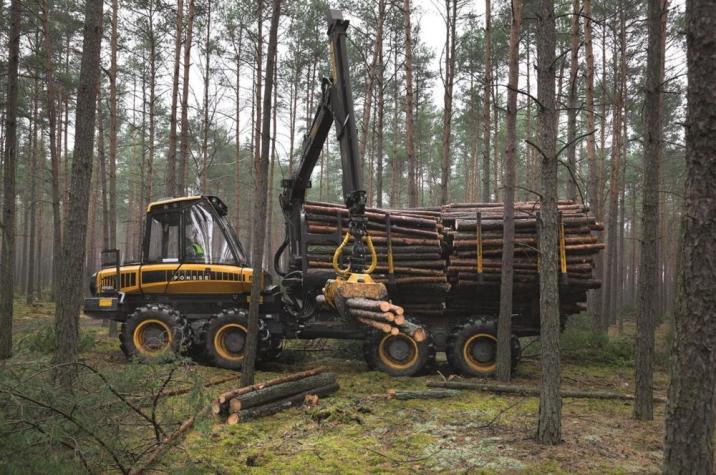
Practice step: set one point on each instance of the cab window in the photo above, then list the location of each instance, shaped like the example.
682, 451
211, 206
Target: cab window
204, 240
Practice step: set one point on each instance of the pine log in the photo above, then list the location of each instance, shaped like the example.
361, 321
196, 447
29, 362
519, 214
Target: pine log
430, 394
280, 391
531, 391
280, 405
416, 332
384, 327
224, 397
385, 317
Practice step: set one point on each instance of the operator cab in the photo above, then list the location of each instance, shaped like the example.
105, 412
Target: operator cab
191, 230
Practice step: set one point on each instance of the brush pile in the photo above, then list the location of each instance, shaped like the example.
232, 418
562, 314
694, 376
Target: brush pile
270, 397
447, 261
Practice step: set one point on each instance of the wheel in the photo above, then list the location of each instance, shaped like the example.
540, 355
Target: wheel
226, 335
397, 355
472, 348
152, 332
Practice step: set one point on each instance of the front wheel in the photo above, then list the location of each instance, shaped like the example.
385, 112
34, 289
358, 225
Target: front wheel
152, 332
398, 355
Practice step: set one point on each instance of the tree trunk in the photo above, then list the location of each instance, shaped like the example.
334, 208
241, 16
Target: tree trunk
184, 140
647, 292
237, 170
409, 126
504, 324
368, 99
113, 125
550, 408
688, 446
258, 54
32, 202
69, 297
54, 146
259, 230
609, 297
379, 128
204, 168
149, 171
486, 196
450, 26
7, 256
572, 104
172, 143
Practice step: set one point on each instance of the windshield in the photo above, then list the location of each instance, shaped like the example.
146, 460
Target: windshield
231, 234
205, 240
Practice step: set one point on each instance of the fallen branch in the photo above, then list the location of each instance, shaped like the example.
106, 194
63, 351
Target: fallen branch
532, 391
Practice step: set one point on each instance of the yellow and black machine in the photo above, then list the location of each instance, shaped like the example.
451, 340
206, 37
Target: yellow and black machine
190, 291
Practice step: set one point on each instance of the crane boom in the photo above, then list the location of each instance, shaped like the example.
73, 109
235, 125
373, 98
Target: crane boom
336, 106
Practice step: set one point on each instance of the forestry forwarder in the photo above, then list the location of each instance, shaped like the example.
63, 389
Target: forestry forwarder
190, 291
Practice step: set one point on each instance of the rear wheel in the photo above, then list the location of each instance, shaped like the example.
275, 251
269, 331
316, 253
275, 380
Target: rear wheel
472, 348
226, 335
398, 355
152, 332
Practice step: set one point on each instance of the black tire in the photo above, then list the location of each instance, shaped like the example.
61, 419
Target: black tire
224, 339
398, 355
153, 332
472, 348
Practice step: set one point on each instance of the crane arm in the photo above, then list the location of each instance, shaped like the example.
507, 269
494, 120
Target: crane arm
336, 107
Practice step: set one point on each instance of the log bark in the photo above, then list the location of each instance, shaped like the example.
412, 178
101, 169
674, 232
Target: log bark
226, 396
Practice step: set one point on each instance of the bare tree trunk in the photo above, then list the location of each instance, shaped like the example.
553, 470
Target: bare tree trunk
647, 297
592, 180
394, 167
172, 145
410, 137
379, 129
32, 202
237, 169
149, 171
204, 168
102, 160
54, 145
259, 231
184, 139
69, 297
504, 324
7, 256
486, 105
572, 101
113, 125
550, 408
258, 54
690, 417
368, 99
450, 26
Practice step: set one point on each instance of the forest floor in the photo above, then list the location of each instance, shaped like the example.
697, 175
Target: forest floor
358, 430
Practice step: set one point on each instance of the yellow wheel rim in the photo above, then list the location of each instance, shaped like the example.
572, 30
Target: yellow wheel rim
479, 365
152, 336
398, 351
225, 344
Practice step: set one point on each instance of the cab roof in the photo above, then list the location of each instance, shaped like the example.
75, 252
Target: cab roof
214, 200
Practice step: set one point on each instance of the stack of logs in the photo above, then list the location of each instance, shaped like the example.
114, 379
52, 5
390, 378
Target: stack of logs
270, 397
384, 316
467, 225
435, 254
418, 281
